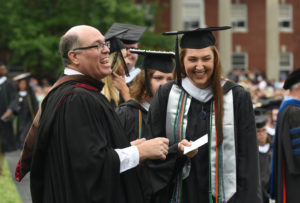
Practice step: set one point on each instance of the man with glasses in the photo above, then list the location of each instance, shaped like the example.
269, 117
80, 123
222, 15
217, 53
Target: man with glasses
81, 153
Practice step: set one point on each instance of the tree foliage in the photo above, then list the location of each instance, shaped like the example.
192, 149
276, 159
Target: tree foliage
30, 29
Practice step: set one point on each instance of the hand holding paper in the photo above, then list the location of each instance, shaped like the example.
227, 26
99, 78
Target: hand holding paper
196, 144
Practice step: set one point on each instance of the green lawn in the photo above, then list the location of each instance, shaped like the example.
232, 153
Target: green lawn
8, 190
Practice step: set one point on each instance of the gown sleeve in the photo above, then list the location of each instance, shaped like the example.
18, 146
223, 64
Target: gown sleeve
80, 160
248, 181
162, 171
291, 140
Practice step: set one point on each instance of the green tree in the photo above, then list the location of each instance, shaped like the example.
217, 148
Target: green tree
30, 29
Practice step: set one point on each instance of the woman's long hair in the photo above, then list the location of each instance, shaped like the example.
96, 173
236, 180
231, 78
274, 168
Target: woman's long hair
215, 83
108, 90
138, 89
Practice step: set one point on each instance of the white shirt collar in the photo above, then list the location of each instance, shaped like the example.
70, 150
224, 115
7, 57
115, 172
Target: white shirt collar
146, 105
3, 79
264, 149
69, 71
202, 95
270, 131
23, 93
132, 73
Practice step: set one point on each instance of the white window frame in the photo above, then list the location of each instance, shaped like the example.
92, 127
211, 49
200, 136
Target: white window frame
235, 17
189, 19
287, 18
288, 67
243, 66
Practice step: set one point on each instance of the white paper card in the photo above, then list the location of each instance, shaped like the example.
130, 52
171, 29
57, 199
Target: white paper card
196, 144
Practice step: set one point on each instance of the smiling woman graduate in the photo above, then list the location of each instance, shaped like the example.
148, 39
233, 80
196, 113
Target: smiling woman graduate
203, 102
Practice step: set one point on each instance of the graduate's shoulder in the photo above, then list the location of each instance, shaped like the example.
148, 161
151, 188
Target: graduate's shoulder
128, 108
130, 104
293, 113
71, 93
166, 88
237, 89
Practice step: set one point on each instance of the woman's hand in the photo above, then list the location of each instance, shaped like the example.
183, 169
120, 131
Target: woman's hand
186, 143
119, 83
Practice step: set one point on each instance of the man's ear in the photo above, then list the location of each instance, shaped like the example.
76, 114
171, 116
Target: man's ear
73, 57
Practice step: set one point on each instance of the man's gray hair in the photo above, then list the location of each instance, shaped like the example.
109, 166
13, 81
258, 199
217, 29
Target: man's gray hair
67, 43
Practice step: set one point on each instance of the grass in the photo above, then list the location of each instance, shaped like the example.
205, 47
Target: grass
8, 190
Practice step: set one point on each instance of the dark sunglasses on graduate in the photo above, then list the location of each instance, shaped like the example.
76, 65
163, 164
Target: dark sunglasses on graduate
98, 47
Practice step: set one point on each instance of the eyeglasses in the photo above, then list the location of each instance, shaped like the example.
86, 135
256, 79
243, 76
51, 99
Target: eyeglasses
98, 46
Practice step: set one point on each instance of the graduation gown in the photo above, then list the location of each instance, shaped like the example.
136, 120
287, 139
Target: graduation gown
265, 173
28, 107
74, 158
8, 94
128, 113
285, 180
195, 188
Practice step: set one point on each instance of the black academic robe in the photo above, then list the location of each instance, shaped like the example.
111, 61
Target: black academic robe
286, 154
196, 186
128, 113
74, 158
8, 94
113, 104
265, 160
28, 107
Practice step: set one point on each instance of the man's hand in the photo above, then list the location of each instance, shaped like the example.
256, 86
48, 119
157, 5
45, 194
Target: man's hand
156, 148
137, 141
184, 143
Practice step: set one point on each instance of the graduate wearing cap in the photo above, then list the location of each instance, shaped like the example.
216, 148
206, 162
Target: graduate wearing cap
201, 102
157, 70
285, 179
28, 106
130, 40
265, 154
271, 106
115, 88
7, 106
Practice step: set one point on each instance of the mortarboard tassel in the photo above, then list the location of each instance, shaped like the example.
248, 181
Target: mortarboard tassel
114, 61
125, 66
177, 63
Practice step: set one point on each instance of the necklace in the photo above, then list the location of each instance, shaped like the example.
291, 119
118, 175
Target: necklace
203, 113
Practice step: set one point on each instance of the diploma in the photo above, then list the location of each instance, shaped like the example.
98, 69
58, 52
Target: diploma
196, 144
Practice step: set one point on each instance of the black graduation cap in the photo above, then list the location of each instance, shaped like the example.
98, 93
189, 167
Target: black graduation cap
292, 79
261, 114
22, 76
271, 103
260, 120
132, 36
194, 39
116, 45
156, 60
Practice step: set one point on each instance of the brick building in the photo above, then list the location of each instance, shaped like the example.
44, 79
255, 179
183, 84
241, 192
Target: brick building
265, 35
